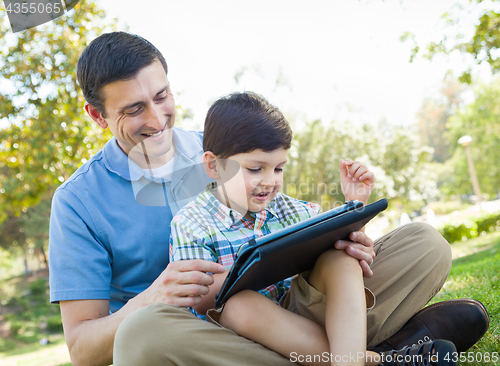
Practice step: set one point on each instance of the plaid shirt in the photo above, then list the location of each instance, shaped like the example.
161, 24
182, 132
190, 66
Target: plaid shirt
207, 229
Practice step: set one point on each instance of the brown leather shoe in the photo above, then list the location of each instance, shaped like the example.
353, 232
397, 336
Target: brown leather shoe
461, 321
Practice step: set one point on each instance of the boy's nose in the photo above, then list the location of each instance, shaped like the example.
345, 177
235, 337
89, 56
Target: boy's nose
268, 180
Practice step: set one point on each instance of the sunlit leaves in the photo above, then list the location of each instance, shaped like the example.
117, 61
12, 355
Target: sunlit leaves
45, 134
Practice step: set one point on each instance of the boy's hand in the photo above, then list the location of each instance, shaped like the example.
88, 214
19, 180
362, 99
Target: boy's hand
356, 180
361, 248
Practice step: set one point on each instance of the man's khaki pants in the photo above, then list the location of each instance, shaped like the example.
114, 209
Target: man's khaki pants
411, 265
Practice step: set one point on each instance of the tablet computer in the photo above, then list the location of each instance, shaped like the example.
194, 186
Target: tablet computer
294, 249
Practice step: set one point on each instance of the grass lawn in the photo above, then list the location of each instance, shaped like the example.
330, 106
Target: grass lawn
53, 354
475, 274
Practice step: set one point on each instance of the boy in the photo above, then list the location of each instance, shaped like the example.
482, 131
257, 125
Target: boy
320, 312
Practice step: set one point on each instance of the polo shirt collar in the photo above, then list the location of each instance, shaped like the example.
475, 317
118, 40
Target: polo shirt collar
117, 161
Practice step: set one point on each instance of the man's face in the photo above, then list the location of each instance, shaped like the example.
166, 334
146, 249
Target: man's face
257, 182
140, 113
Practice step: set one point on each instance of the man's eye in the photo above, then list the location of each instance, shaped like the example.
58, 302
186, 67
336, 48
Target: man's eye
134, 113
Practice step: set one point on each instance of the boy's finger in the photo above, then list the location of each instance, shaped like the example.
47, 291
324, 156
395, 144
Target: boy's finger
343, 169
354, 168
360, 171
367, 271
367, 176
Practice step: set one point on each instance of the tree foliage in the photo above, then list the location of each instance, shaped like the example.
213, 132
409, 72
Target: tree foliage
484, 43
479, 119
435, 114
45, 135
393, 153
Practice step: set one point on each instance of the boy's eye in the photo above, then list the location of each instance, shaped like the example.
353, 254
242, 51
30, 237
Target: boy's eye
253, 170
279, 169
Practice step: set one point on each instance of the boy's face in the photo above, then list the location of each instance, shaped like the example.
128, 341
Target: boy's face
257, 182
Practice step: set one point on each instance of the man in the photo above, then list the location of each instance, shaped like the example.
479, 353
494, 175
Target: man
110, 225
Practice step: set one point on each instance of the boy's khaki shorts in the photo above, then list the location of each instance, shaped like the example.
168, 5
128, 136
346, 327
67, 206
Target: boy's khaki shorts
302, 299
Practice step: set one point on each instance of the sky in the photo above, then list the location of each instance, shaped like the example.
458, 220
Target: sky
333, 59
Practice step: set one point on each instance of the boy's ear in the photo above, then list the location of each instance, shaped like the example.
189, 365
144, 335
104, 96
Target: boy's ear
95, 115
209, 160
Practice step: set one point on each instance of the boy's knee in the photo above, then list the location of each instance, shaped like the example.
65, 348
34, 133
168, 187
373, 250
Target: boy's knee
241, 309
335, 257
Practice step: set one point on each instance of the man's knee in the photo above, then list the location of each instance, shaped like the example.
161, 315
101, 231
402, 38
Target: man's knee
145, 336
430, 240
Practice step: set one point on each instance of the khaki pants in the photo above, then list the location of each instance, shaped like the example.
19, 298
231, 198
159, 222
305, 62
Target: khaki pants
412, 264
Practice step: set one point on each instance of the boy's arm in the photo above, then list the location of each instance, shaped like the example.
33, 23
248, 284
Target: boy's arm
357, 183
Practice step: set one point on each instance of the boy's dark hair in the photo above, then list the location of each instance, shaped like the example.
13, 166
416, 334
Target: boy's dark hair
112, 57
242, 122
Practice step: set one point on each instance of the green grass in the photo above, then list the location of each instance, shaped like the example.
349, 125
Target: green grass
53, 354
476, 274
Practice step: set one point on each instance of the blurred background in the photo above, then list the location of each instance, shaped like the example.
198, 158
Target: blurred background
394, 84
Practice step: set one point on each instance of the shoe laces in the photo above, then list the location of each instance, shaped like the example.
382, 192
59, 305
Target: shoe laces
421, 341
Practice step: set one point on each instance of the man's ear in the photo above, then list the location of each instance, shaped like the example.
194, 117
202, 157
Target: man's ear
95, 115
209, 160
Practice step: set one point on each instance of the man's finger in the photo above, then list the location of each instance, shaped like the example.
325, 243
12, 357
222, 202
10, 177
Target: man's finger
187, 301
180, 291
197, 265
195, 277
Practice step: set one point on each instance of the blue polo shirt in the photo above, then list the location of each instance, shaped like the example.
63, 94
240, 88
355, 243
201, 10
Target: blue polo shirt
110, 222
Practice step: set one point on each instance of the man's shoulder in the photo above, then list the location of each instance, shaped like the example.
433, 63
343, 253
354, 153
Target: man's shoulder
188, 142
78, 178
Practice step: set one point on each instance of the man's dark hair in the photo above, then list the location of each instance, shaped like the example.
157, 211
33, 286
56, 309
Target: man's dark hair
243, 122
112, 57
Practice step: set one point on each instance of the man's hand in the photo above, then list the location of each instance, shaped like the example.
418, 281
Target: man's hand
356, 180
361, 248
89, 326
182, 283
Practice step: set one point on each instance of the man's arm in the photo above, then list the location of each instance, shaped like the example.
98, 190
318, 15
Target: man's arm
90, 330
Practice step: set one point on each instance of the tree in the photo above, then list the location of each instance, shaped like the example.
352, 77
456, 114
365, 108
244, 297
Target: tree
483, 45
28, 233
46, 135
393, 153
435, 114
478, 119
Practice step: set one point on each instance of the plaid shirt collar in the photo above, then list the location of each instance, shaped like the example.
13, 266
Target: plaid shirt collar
227, 216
